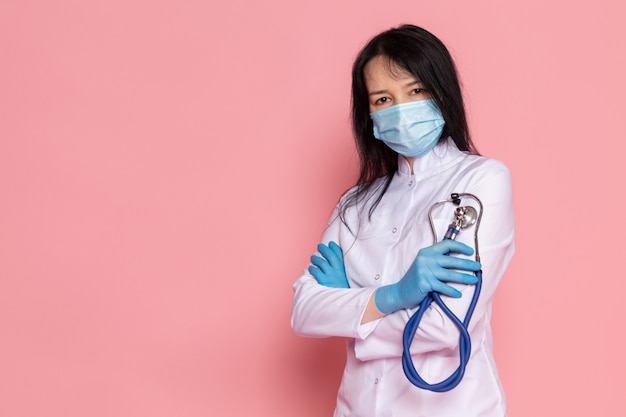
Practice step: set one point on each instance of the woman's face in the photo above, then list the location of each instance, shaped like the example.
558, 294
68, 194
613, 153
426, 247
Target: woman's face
388, 84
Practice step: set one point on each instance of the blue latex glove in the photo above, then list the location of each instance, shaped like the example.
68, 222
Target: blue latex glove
429, 272
330, 270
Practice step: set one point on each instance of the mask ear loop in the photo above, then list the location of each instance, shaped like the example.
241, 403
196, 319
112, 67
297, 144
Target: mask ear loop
465, 342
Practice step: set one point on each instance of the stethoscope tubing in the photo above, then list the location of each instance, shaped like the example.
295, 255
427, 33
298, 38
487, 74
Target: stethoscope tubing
465, 342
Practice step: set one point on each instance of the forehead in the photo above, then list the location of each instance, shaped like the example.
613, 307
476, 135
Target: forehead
381, 69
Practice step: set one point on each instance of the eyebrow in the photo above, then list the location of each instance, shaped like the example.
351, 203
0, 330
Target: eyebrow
409, 84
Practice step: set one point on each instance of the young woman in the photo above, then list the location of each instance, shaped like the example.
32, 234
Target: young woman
377, 257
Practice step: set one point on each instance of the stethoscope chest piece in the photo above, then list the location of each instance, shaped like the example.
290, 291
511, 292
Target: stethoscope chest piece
465, 216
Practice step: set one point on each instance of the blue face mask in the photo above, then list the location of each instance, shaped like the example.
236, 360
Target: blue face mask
411, 129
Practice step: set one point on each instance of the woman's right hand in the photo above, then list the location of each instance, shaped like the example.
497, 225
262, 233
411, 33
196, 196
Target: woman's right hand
432, 268
329, 270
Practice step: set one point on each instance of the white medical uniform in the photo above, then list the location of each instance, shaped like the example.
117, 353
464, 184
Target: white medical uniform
379, 252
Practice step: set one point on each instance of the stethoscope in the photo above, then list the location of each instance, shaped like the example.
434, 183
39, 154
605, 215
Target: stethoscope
465, 216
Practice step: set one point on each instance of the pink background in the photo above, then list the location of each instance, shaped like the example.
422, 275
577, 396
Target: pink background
167, 168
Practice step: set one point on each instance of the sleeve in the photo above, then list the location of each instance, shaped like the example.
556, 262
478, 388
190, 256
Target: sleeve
320, 311
436, 331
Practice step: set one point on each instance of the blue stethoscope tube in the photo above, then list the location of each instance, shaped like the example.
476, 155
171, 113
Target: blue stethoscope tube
465, 342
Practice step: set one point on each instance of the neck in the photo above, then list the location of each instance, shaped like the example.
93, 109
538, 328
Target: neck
410, 160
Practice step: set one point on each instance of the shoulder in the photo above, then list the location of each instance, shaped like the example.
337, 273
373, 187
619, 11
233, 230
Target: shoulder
355, 204
485, 164
349, 197
480, 168
485, 176
465, 163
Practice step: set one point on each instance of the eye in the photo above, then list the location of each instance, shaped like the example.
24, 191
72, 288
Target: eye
416, 91
382, 100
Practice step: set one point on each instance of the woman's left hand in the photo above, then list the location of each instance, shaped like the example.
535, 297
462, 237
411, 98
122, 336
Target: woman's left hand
330, 270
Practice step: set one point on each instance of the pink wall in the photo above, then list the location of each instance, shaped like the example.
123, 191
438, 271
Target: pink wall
167, 167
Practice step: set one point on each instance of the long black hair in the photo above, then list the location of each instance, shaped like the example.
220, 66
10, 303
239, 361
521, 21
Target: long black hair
423, 55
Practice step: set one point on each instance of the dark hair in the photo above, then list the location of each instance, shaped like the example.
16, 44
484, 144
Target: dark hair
424, 56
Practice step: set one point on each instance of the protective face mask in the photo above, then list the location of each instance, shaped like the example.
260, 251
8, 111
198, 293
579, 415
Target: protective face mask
411, 129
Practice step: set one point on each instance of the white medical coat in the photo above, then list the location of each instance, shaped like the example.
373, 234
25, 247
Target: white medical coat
379, 252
